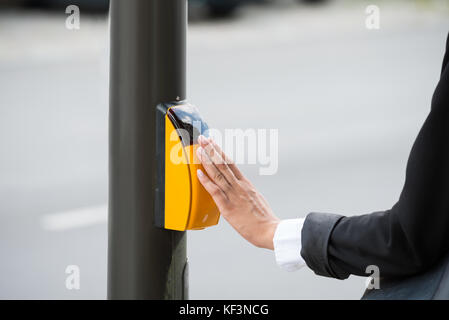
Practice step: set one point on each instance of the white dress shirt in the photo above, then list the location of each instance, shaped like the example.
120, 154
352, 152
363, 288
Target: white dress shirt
287, 244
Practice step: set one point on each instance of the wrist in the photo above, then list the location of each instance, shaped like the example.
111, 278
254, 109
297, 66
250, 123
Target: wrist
269, 234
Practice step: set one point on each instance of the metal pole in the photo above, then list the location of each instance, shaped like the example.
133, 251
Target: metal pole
148, 51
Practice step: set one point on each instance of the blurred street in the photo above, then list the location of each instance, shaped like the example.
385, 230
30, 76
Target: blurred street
348, 103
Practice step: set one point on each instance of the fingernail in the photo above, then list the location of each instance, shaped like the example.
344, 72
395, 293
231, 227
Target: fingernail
199, 173
200, 139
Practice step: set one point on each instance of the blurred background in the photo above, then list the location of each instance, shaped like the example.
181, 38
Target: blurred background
348, 102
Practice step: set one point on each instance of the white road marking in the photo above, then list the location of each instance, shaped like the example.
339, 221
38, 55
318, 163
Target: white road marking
76, 218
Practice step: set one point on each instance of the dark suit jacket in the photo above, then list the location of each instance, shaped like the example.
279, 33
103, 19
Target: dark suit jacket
411, 236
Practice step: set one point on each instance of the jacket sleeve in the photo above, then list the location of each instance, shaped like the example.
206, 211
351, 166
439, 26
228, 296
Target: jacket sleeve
414, 233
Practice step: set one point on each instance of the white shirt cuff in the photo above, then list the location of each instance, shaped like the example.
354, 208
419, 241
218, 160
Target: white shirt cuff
287, 244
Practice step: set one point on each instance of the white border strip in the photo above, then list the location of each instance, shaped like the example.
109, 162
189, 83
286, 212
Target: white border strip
77, 218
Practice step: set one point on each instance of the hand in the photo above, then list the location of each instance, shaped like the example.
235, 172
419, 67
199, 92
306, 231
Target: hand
239, 202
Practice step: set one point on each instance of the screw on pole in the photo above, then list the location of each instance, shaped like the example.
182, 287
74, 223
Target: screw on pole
147, 67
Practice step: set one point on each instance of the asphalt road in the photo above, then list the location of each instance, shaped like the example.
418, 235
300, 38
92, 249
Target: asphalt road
347, 101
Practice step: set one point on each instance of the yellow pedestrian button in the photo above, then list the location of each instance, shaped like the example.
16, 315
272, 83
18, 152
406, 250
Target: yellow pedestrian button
181, 202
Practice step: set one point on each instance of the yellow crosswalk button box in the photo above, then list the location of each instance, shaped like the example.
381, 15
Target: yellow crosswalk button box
181, 202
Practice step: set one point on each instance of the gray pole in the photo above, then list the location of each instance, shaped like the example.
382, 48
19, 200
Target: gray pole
148, 51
